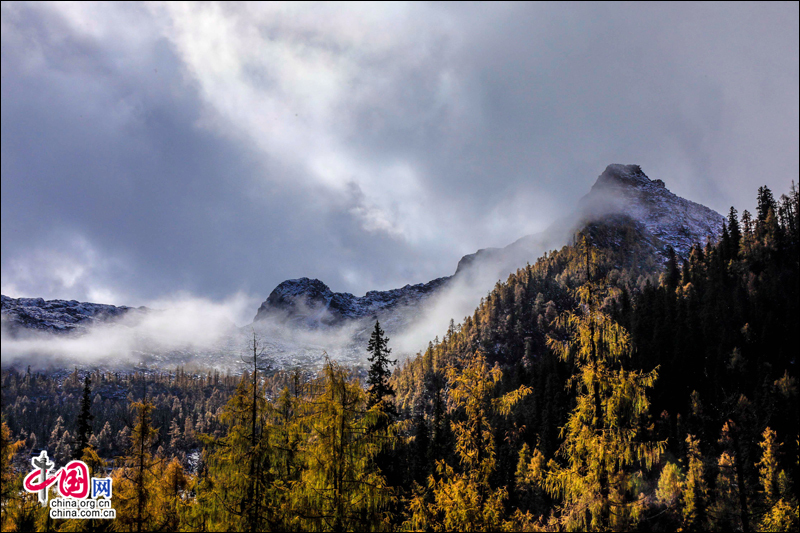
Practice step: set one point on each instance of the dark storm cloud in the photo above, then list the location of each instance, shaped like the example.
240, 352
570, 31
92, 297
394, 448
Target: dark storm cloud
101, 158
148, 150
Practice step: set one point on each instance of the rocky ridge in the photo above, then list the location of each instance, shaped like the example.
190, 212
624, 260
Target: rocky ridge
672, 220
57, 316
621, 192
312, 303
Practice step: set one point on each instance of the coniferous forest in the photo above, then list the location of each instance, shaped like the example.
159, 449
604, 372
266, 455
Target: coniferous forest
601, 388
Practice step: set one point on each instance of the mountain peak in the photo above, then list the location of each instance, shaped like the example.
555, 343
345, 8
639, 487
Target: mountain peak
616, 175
675, 221
621, 192
621, 176
311, 302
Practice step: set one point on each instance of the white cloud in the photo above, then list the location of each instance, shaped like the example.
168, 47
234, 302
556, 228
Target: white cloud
178, 323
70, 265
291, 79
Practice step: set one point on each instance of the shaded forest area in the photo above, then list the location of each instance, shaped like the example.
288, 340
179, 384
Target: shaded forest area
594, 390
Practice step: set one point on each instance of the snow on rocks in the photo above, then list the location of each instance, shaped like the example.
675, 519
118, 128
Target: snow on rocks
314, 303
57, 316
674, 221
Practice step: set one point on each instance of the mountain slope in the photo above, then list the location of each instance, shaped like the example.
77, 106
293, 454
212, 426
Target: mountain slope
719, 330
663, 220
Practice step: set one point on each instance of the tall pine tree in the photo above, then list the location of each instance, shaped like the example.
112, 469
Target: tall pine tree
84, 420
239, 463
379, 389
465, 500
340, 489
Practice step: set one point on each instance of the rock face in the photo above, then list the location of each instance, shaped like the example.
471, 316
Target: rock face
56, 316
311, 302
672, 220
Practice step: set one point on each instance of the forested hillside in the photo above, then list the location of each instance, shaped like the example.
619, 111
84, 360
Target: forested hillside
604, 387
715, 332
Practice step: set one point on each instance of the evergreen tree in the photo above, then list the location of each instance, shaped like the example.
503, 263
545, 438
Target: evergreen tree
203, 512
530, 479
768, 467
63, 450
695, 492
781, 511
669, 492
724, 509
174, 435
8, 488
84, 423
465, 501
672, 274
56, 434
735, 233
766, 201
239, 463
789, 214
379, 389
731, 478
96, 467
169, 496
340, 489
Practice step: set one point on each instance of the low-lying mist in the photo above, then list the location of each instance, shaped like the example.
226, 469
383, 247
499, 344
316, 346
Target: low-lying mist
463, 293
180, 323
192, 331
184, 330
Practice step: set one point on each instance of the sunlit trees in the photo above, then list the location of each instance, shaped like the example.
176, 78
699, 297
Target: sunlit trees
8, 487
695, 489
780, 507
668, 493
239, 462
724, 505
169, 495
463, 499
287, 451
306, 463
530, 478
135, 483
340, 489
604, 445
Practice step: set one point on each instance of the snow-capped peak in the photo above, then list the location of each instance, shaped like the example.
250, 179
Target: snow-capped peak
674, 221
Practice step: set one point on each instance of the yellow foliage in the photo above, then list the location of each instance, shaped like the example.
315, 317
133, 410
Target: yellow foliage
464, 501
603, 447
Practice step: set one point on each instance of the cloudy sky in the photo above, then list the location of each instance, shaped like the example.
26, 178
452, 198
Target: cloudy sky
211, 150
